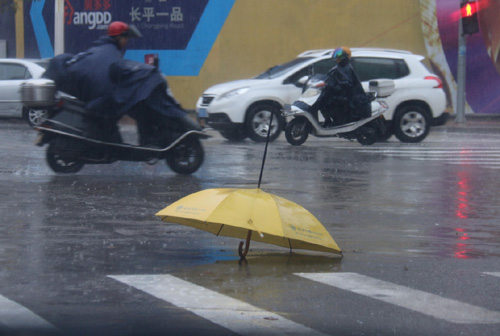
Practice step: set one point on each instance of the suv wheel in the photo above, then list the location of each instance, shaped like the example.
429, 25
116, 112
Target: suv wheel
257, 122
411, 123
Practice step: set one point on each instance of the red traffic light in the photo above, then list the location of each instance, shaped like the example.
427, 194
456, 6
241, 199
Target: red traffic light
468, 9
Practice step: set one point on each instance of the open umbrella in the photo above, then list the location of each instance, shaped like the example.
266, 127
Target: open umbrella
251, 214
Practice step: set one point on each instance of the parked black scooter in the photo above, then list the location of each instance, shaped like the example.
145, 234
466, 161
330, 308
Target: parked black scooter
75, 138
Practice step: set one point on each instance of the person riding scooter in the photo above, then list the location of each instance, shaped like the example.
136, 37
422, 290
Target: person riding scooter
343, 99
111, 86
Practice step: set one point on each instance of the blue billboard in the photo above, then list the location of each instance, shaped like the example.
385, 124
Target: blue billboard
180, 32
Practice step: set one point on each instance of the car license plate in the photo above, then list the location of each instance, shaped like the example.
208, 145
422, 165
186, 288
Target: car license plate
202, 113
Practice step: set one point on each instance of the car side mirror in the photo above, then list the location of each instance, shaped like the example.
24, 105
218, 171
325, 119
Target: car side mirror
302, 80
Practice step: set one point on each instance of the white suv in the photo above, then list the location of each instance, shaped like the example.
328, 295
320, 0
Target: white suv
243, 108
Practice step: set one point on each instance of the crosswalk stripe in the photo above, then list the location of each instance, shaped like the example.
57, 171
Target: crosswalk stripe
430, 152
486, 158
15, 316
450, 155
416, 300
474, 162
497, 274
237, 316
458, 159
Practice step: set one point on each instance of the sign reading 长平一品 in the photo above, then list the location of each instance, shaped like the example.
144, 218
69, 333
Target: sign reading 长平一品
164, 24
181, 32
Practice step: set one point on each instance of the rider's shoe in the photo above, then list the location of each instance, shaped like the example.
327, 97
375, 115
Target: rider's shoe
150, 142
190, 124
152, 145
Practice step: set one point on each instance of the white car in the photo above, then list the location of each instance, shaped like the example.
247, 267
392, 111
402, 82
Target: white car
14, 72
241, 109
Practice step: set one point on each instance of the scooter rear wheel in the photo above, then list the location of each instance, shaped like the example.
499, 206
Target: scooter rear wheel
61, 164
187, 157
297, 131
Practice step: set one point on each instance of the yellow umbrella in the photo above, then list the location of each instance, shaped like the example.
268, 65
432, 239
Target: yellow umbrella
251, 214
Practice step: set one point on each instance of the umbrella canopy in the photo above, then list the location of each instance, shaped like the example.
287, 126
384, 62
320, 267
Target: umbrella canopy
251, 214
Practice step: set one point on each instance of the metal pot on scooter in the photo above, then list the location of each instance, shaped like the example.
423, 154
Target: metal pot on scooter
38, 93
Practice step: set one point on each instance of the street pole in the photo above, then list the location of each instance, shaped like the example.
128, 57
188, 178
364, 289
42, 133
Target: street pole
59, 27
461, 65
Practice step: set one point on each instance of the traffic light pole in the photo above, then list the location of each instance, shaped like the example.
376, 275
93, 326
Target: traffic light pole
462, 50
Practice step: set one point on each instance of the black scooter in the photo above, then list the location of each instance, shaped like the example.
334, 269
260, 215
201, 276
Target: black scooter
75, 138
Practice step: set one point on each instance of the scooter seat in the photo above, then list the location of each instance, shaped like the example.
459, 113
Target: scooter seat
74, 104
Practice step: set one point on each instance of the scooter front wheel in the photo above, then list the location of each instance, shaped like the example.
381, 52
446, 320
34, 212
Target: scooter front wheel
366, 135
61, 164
187, 157
297, 131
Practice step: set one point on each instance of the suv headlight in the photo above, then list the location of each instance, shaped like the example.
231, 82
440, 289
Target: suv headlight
311, 92
235, 92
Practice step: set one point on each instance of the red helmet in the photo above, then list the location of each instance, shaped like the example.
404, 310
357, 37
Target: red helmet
117, 28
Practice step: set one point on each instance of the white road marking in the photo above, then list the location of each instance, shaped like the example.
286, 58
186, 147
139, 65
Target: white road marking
486, 158
481, 163
497, 274
15, 316
449, 155
456, 159
416, 300
430, 151
235, 315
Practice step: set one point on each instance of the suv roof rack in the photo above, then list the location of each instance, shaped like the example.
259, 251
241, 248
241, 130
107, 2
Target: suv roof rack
317, 52
398, 51
326, 52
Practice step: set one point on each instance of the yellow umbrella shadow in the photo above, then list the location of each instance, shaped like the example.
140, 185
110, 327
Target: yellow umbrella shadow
278, 264
260, 277
265, 263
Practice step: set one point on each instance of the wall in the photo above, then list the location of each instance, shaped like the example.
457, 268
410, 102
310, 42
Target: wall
235, 39
255, 35
258, 34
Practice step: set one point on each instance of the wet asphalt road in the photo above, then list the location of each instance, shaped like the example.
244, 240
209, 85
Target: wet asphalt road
422, 217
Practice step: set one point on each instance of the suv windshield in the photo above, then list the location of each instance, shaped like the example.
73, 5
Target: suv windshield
279, 70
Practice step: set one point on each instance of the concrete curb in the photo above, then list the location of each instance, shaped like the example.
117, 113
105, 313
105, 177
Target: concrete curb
477, 123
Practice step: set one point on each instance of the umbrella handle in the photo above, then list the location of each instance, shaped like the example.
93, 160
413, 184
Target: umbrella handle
242, 253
